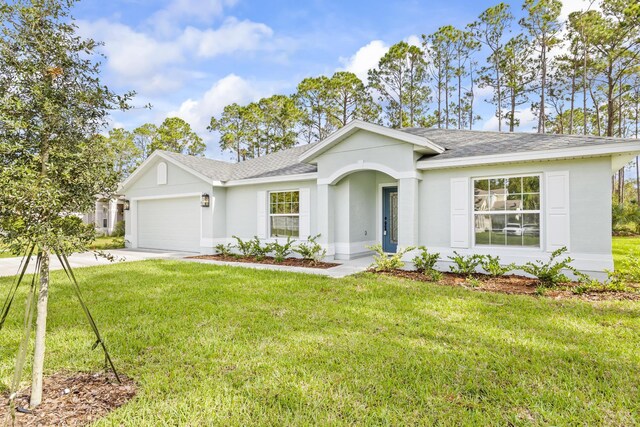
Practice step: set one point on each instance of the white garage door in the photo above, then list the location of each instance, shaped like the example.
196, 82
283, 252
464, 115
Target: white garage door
171, 224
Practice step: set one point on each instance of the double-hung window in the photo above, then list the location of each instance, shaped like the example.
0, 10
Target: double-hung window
506, 211
284, 213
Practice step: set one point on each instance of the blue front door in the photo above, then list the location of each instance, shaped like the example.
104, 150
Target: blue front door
390, 219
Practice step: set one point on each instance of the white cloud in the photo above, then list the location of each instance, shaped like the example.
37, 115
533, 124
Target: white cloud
569, 6
166, 21
528, 122
225, 91
365, 58
131, 54
232, 36
414, 40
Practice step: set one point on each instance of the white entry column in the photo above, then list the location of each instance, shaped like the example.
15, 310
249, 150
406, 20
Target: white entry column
408, 231
326, 218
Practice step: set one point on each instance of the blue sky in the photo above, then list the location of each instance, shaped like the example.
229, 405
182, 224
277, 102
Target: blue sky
190, 58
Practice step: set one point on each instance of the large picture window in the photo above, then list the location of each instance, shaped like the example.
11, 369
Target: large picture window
284, 213
506, 211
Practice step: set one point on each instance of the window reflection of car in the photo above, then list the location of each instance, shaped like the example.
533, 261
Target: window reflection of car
531, 230
513, 228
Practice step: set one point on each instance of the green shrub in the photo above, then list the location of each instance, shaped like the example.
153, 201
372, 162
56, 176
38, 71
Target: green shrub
252, 248
550, 273
311, 250
118, 230
465, 264
224, 250
491, 264
387, 262
628, 271
245, 247
425, 262
281, 251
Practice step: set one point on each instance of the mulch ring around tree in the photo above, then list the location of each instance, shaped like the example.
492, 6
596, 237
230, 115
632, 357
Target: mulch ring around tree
292, 262
76, 399
516, 285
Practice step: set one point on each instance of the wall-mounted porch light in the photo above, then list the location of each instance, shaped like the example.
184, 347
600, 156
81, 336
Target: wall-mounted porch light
126, 205
204, 200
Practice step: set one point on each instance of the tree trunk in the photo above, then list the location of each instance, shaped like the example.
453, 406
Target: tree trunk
41, 329
543, 84
499, 95
638, 180
573, 97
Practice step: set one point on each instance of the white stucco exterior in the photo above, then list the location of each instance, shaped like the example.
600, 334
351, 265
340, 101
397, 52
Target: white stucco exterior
342, 200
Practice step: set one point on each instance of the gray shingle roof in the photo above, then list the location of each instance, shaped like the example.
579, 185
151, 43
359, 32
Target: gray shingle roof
458, 144
281, 163
468, 143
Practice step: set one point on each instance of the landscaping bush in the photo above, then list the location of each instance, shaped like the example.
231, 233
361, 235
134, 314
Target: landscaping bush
311, 250
550, 273
387, 262
465, 264
252, 248
224, 250
491, 264
280, 252
118, 230
425, 263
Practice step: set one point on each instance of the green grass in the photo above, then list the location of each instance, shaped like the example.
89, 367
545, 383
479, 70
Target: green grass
107, 242
232, 346
101, 243
622, 246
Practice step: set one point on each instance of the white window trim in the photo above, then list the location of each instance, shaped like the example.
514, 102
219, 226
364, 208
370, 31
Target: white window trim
269, 214
540, 247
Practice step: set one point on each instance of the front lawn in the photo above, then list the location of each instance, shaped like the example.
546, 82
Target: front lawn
622, 246
233, 346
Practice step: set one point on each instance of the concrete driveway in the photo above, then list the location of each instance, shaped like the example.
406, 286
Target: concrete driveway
9, 266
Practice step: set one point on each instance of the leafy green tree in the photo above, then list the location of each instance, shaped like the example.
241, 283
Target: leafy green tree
401, 80
176, 135
350, 100
232, 126
312, 98
543, 26
125, 152
440, 47
143, 137
52, 107
489, 30
280, 117
517, 70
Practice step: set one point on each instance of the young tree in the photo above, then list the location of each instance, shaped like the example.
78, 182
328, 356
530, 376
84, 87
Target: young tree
52, 107
174, 134
401, 80
489, 30
543, 26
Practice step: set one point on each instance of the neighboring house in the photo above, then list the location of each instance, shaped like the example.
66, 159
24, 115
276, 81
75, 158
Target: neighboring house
107, 213
516, 195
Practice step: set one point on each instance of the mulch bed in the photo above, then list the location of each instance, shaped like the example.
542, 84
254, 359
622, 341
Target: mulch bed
71, 400
514, 285
293, 262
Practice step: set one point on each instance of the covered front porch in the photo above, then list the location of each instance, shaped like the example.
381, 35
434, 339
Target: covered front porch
364, 207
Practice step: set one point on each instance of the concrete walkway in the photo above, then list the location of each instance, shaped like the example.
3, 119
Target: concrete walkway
345, 268
9, 266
